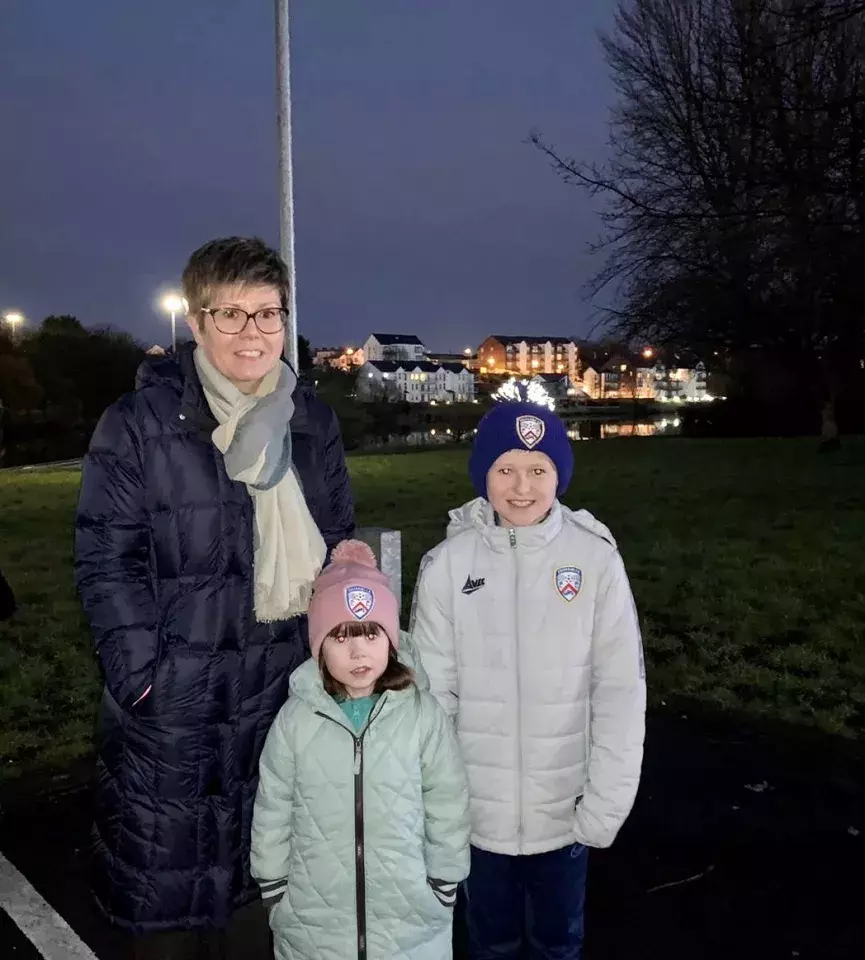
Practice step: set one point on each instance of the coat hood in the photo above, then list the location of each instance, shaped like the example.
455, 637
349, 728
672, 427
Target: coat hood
169, 370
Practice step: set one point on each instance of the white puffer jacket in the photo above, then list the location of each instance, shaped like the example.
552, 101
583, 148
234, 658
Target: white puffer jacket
531, 641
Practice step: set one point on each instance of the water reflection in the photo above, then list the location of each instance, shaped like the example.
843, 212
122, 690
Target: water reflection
577, 430
608, 429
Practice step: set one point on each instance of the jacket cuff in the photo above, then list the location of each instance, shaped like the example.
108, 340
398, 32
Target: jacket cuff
445, 891
600, 839
272, 891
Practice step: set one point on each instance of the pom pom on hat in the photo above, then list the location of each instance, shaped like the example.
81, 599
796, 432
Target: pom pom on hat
351, 589
353, 551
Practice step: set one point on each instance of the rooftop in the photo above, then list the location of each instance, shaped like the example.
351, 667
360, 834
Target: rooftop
410, 366
550, 377
507, 340
395, 339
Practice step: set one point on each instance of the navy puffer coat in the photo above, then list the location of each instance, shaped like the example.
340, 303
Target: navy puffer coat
164, 564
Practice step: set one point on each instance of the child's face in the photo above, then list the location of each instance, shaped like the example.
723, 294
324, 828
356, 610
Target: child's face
357, 662
521, 486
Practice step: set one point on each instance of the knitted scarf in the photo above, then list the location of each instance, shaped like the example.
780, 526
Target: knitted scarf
254, 438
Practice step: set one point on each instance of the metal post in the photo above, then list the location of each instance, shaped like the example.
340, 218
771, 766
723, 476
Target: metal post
173, 332
286, 173
386, 544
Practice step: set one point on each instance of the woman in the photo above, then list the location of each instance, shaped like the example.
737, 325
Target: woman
209, 498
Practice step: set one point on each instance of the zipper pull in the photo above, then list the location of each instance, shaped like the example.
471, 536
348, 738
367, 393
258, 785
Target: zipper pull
512, 537
357, 756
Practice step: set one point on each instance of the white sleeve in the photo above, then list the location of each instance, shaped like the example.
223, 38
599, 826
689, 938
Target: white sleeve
618, 711
432, 629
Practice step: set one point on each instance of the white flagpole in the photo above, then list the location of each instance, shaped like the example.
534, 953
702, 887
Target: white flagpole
286, 172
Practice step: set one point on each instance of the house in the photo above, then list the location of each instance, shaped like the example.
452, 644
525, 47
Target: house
590, 384
351, 359
420, 382
682, 384
624, 377
339, 358
378, 381
393, 346
529, 355
463, 359
558, 385
618, 378
644, 383
324, 356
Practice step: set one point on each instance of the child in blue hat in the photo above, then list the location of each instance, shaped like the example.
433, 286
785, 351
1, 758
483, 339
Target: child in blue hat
527, 628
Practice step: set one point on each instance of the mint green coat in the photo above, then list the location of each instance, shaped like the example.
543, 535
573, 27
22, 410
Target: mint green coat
352, 826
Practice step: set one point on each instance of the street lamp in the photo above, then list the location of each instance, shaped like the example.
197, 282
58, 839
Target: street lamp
14, 320
173, 304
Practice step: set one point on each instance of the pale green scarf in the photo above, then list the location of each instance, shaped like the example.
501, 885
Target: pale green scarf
254, 438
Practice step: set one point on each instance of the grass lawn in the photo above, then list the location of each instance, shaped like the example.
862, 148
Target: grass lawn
746, 559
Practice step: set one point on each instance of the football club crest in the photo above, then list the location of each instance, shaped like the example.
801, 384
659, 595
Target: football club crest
530, 430
568, 582
360, 601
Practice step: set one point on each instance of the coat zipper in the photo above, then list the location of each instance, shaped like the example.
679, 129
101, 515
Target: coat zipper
512, 540
359, 865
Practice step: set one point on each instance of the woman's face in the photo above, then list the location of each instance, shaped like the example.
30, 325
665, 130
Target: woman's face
247, 357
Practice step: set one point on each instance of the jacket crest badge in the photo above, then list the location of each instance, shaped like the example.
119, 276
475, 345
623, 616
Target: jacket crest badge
568, 582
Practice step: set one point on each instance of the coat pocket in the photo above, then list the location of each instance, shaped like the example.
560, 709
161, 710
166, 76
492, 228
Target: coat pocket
153, 699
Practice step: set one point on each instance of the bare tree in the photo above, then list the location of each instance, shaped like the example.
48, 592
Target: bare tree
734, 194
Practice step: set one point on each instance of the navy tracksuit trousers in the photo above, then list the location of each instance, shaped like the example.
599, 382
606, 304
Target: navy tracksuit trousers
532, 903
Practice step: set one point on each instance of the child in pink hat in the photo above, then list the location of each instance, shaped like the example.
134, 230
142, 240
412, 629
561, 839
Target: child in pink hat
360, 830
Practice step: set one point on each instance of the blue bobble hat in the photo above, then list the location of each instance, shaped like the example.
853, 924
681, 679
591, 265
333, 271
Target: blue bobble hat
520, 424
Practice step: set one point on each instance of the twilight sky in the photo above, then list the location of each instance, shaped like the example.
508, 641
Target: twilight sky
132, 133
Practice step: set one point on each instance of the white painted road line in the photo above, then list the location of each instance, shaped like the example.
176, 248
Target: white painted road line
38, 921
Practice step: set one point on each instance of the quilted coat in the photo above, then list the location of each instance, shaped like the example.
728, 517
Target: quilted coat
164, 564
356, 823
531, 642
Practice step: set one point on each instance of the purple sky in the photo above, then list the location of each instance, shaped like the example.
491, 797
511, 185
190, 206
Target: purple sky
131, 134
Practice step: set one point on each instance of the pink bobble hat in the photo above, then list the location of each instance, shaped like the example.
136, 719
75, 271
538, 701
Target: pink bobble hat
351, 589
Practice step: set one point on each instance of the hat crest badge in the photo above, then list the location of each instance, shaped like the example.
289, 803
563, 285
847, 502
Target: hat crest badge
530, 430
360, 601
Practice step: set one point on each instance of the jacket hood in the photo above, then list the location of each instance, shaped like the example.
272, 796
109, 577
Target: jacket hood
305, 683
170, 370
479, 515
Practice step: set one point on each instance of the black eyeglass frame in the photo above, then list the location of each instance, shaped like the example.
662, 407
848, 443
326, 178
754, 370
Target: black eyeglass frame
211, 311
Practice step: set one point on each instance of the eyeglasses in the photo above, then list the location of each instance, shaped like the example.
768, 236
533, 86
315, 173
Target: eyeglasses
233, 320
